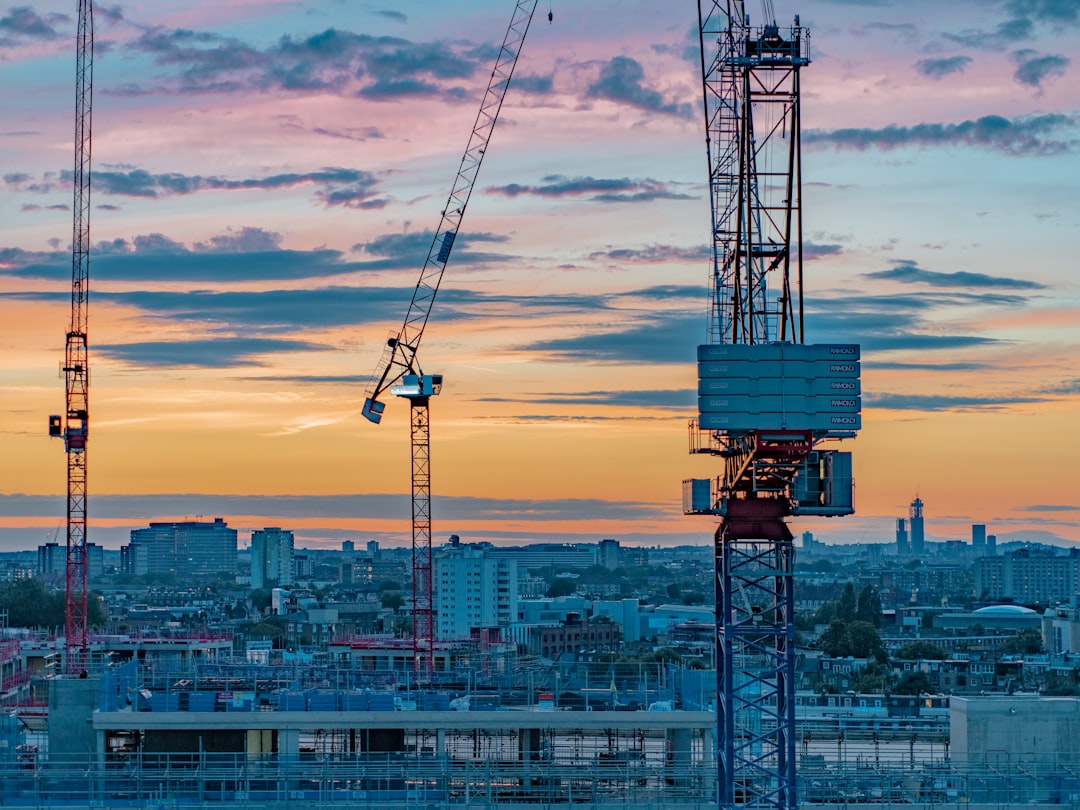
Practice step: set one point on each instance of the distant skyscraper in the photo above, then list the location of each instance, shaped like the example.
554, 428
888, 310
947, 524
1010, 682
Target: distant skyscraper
978, 538
991, 545
918, 539
271, 558
902, 547
372, 547
348, 546
52, 561
186, 549
95, 560
607, 554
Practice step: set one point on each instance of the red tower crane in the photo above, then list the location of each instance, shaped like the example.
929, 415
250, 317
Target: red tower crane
73, 425
399, 369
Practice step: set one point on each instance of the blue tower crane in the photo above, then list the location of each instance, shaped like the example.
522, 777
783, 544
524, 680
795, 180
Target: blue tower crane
766, 399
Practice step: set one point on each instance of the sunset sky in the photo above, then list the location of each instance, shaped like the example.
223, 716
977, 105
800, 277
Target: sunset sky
266, 177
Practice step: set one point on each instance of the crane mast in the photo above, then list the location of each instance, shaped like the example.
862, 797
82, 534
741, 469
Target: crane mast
766, 399
399, 368
73, 425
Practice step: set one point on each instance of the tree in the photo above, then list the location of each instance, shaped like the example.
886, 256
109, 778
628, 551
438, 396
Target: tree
261, 598
868, 607
826, 613
845, 611
804, 621
29, 603
855, 640
913, 683
392, 600
872, 678
1026, 642
864, 641
921, 650
833, 641
561, 586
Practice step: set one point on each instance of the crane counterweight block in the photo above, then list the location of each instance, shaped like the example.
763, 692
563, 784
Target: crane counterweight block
373, 410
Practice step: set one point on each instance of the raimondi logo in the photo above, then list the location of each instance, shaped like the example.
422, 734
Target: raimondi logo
842, 367
842, 350
844, 420
844, 403
843, 385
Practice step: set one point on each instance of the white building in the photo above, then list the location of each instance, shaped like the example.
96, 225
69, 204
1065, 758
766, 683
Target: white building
473, 590
271, 558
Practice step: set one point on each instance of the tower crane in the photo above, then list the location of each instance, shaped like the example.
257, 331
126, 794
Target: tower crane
766, 399
399, 368
73, 425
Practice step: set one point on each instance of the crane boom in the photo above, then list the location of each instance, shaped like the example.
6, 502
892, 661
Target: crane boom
399, 357
73, 426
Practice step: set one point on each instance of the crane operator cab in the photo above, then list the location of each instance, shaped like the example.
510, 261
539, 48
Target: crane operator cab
418, 386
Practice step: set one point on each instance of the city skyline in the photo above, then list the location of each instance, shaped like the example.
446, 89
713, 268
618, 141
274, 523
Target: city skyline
265, 178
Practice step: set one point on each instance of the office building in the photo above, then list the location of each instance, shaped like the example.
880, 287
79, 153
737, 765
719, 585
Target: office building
1029, 575
51, 561
607, 554
271, 558
978, 539
902, 546
184, 549
562, 556
918, 538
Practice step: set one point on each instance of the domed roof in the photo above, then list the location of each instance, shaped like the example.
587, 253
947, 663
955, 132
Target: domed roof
1004, 610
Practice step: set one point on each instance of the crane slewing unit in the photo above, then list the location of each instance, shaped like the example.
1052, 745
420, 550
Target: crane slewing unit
73, 425
399, 368
766, 399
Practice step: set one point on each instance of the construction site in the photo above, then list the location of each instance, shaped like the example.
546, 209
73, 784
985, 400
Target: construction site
418, 722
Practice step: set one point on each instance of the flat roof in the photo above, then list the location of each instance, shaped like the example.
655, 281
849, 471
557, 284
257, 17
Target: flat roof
450, 721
